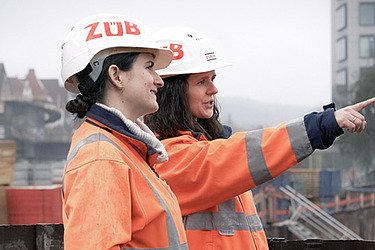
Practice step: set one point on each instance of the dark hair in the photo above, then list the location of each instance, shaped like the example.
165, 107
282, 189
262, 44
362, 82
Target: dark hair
174, 113
91, 91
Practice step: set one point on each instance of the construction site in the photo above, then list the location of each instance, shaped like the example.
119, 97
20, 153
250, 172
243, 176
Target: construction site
307, 205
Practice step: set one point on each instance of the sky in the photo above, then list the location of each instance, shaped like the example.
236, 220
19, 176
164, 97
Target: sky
280, 49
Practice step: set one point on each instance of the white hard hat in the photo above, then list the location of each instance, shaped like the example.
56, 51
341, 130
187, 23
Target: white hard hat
192, 51
93, 39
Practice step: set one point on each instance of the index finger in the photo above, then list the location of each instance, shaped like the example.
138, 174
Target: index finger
361, 105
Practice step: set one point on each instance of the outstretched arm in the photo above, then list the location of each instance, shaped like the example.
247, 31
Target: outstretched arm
351, 119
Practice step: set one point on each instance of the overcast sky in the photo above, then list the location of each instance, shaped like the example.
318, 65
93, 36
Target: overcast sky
280, 49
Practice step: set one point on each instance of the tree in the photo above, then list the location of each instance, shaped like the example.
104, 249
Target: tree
361, 148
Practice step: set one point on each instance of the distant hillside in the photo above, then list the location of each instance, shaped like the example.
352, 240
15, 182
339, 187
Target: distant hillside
244, 114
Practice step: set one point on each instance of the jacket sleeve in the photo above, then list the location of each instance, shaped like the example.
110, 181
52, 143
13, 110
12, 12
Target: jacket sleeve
322, 128
97, 206
205, 173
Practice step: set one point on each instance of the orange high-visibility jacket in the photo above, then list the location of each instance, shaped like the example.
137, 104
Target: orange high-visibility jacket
112, 199
212, 179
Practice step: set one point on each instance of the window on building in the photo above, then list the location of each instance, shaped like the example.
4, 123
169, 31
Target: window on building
341, 81
341, 17
367, 14
2, 132
341, 78
365, 70
367, 46
341, 49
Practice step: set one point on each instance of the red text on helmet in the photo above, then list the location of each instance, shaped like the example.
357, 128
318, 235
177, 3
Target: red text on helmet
95, 32
210, 56
178, 53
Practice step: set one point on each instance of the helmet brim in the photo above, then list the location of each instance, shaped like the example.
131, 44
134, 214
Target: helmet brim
165, 73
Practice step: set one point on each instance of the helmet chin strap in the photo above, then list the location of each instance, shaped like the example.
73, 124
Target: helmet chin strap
96, 66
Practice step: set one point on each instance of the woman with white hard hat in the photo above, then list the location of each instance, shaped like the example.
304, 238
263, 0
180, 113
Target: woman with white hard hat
112, 197
211, 170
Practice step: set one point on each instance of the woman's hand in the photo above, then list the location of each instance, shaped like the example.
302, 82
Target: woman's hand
351, 119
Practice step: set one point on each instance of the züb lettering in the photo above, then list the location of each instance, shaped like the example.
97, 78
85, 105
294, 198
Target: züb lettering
178, 53
111, 29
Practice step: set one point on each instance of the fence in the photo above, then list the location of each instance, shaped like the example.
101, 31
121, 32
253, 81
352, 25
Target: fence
50, 237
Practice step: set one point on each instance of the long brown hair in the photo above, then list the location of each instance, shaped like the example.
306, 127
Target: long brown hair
174, 113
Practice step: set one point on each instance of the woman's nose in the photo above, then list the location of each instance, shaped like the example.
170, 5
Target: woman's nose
212, 90
158, 81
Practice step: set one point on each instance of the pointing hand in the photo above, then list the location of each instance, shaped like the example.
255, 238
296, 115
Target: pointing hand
350, 118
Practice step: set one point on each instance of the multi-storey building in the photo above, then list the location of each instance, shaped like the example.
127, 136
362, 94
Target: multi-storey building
353, 45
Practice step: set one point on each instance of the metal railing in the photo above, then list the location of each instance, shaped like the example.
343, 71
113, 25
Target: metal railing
308, 220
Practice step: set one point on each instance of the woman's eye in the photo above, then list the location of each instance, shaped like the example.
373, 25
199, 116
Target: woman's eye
151, 65
201, 82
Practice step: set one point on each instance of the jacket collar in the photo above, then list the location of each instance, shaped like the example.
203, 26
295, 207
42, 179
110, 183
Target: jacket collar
114, 123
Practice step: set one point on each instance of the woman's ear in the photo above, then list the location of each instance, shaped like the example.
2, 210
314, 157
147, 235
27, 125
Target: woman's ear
115, 77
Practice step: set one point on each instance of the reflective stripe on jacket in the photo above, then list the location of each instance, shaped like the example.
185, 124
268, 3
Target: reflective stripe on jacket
206, 175
112, 199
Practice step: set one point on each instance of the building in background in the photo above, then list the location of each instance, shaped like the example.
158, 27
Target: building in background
353, 45
32, 116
